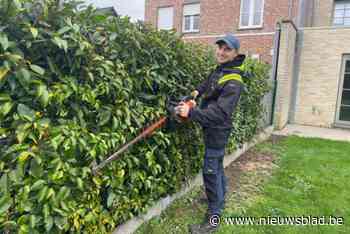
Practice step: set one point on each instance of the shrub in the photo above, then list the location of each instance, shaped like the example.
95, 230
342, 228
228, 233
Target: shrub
76, 85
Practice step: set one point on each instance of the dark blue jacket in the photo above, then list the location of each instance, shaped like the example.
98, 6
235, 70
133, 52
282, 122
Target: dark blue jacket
219, 100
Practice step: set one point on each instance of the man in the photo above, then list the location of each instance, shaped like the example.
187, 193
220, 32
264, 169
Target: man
220, 94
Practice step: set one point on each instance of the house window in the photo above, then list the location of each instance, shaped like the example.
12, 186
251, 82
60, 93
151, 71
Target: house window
341, 13
165, 18
191, 17
251, 13
344, 105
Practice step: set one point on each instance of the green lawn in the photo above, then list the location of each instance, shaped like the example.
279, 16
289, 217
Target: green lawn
295, 177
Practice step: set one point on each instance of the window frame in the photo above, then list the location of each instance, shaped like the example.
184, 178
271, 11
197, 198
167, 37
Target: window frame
251, 15
191, 30
343, 17
173, 12
338, 121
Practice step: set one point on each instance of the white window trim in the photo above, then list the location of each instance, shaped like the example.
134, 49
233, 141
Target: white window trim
251, 16
191, 30
191, 24
335, 3
172, 27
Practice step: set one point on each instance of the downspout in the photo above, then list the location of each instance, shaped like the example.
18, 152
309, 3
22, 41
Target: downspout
275, 67
290, 8
312, 13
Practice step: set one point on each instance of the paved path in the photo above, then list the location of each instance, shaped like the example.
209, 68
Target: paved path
310, 131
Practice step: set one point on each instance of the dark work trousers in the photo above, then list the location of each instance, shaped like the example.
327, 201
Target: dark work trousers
214, 179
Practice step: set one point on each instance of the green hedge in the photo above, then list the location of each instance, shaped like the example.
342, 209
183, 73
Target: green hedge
76, 85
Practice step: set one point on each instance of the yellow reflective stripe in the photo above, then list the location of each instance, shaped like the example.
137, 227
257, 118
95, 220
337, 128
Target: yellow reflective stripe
242, 67
230, 77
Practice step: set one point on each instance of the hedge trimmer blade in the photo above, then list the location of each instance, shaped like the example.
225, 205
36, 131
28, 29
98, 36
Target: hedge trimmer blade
148, 131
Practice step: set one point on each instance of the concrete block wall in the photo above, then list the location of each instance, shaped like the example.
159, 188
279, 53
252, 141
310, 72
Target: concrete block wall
319, 74
285, 75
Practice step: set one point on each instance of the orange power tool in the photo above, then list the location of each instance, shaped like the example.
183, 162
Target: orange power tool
172, 115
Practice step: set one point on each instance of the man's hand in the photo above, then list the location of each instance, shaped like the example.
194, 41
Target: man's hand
183, 109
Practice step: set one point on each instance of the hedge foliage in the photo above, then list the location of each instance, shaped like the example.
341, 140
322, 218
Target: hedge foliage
76, 85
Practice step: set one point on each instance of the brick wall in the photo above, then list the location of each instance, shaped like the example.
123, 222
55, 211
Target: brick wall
250, 45
221, 16
151, 11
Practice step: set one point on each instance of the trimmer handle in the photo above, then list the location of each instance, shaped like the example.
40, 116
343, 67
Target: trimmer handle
189, 101
171, 104
186, 98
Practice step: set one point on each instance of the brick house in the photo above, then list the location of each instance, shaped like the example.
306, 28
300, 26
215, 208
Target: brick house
313, 74
253, 21
310, 52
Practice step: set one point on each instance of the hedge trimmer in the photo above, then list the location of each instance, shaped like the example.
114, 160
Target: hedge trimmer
169, 119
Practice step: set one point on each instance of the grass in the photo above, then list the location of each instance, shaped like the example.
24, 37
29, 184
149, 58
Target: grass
295, 177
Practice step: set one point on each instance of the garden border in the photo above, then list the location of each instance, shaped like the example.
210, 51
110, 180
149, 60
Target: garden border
133, 224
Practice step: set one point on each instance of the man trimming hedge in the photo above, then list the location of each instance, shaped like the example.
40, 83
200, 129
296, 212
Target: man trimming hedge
220, 93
